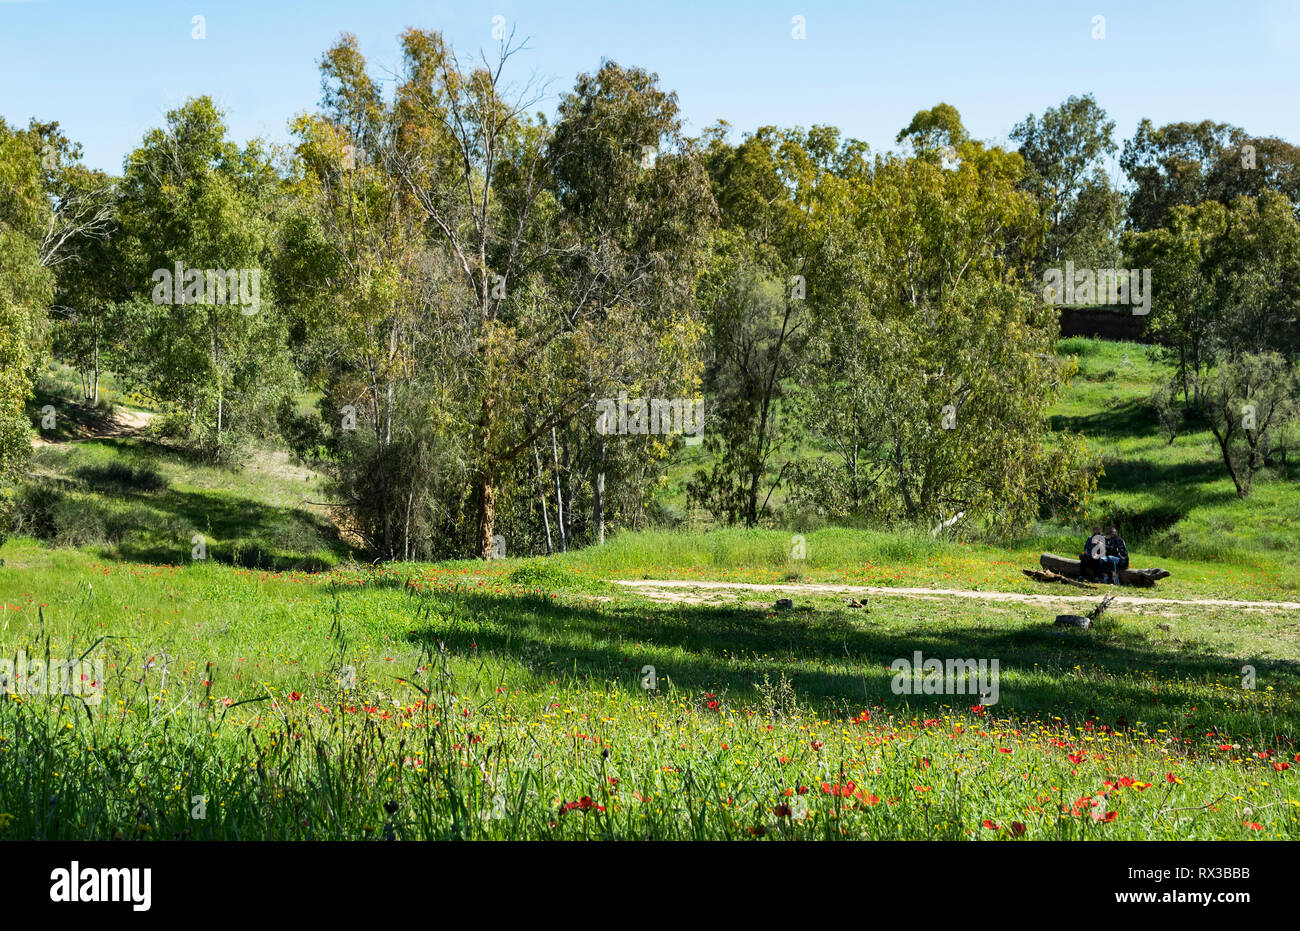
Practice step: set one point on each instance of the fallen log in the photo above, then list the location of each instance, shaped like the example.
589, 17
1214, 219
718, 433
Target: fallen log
1145, 578
1047, 575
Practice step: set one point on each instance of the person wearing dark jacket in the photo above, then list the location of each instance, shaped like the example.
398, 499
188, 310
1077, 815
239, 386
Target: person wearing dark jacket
1115, 547
1094, 560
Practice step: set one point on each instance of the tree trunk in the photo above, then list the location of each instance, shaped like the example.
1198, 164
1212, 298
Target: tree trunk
95, 375
487, 511
559, 496
541, 484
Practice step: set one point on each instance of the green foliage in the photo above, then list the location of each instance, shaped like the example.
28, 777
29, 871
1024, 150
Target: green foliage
932, 377
1252, 402
26, 287
1186, 164
1064, 153
193, 199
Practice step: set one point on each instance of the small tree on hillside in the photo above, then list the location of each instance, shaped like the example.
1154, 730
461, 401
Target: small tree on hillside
1250, 402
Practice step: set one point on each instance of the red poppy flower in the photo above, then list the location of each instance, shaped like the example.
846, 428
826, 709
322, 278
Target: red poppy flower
991, 825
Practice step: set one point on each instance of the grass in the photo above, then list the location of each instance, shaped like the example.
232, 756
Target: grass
441, 702
133, 499
279, 690
902, 558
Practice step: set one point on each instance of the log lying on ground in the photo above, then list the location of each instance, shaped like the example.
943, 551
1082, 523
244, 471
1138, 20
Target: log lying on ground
1046, 575
1071, 567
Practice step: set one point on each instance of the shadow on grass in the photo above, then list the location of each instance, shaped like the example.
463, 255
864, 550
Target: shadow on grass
72, 419
732, 649
236, 531
126, 503
1131, 419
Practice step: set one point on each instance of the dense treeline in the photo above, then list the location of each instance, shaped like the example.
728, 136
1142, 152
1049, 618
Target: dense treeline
467, 288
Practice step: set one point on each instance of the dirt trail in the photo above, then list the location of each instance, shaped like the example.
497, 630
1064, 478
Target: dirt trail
679, 590
124, 422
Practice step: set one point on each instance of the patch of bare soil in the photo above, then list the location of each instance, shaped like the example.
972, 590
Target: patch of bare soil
697, 592
122, 422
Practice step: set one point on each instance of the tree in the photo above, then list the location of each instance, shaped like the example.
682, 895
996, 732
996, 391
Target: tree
938, 359
26, 288
1185, 164
1184, 306
755, 321
1251, 400
1257, 263
773, 190
635, 213
197, 211
1227, 282
934, 132
478, 279
368, 309
81, 246
1064, 153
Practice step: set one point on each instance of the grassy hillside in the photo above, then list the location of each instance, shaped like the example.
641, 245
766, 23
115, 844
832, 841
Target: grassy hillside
279, 689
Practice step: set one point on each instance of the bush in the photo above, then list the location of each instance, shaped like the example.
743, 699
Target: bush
46, 512
34, 508
121, 476
78, 523
544, 575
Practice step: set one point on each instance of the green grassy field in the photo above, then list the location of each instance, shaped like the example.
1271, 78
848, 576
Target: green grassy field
279, 689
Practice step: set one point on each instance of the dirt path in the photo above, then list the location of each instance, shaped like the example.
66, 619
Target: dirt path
125, 422
687, 592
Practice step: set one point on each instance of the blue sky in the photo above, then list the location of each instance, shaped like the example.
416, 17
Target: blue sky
108, 70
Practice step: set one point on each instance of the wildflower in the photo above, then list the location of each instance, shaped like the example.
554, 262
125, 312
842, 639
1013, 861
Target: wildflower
583, 804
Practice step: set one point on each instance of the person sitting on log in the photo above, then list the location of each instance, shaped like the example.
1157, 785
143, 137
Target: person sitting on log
1116, 549
1094, 563
1089, 568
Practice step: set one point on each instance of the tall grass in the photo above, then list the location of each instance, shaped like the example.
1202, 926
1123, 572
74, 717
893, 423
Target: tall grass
471, 734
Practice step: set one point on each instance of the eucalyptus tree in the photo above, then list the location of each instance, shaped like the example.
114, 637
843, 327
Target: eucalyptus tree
1065, 152
935, 365
567, 243
470, 278
196, 213
26, 289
